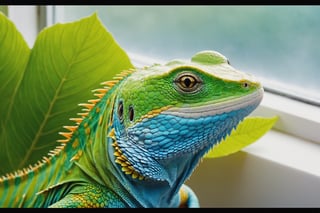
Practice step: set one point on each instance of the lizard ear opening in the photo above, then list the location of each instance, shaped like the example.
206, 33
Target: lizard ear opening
131, 113
120, 110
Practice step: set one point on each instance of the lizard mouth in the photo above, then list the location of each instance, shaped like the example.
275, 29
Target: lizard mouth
217, 108
125, 164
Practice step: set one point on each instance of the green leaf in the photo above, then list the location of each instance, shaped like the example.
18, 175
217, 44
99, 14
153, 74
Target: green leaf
14, 56
66, 63
246, 133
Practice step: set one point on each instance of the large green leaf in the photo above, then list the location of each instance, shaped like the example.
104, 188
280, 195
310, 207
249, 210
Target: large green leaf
14, 56
246, 133
66, 63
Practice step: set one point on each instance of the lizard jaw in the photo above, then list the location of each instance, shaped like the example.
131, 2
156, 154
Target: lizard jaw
122, 160
140, 166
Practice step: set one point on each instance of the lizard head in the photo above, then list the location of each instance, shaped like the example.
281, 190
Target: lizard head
167, 117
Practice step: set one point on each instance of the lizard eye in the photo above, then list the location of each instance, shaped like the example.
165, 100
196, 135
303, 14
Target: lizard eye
188, 82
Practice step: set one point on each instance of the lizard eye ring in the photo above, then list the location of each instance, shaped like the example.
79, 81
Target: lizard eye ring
188, 82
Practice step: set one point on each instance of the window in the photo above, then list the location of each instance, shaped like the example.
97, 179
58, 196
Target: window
273, 42
276, 43
26, 21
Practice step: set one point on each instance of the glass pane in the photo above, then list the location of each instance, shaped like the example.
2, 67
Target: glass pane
279, 44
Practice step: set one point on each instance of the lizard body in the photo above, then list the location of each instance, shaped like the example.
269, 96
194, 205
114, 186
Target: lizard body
138, 143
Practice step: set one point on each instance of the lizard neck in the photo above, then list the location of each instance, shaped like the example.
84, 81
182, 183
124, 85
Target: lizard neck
98, 161
144, 192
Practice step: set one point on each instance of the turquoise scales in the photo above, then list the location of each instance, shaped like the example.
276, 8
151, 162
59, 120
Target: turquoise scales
137, 144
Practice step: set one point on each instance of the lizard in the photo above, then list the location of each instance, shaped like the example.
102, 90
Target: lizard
138, 142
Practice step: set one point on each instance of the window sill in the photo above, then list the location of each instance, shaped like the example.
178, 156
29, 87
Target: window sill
295, 118
279, 170
287, 150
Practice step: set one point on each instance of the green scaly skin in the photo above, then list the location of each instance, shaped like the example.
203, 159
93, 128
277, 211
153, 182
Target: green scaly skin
138, 143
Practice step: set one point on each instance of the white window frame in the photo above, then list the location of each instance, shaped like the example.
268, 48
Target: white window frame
26, 20
293, 143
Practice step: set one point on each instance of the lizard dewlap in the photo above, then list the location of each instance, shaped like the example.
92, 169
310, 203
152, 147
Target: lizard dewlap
137, 144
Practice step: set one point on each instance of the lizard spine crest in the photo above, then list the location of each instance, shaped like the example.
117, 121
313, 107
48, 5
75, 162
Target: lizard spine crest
46, 160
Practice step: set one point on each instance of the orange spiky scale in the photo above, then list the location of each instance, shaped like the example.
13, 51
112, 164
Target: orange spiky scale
67, 135
125, 169
51, 154
99, 95
45, 159
61, 146
110, 83
116, 154
135, 175
94, 101
124, 164
76, 120
118, 77
63, 140
101, 90
70, 128
129, 172
112, 134
118, 161
87, 105
11, 176
83, 114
